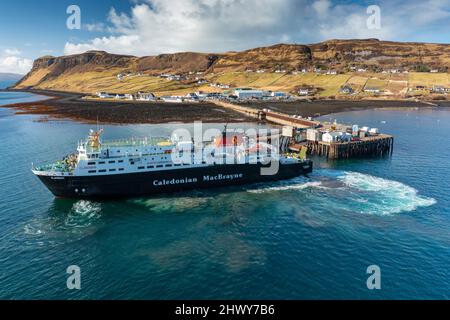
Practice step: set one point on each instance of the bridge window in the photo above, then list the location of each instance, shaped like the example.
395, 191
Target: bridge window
112, 170
101, 171
101, 162
92, 171
141, 168
121, 169
91, 163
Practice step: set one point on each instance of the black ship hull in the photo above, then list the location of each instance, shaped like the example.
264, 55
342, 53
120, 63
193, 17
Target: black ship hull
161, 182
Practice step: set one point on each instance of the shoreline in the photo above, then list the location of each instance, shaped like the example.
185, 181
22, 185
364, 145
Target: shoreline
62, 106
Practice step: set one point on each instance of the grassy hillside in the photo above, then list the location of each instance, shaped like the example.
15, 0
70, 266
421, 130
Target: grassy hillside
97, 71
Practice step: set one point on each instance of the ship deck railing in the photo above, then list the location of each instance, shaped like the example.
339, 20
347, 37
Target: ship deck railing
57, 167
123, 143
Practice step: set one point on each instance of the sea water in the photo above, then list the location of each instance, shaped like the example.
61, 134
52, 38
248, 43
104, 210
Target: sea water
306, 238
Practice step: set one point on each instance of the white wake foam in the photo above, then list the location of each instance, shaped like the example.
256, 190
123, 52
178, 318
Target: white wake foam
83, 213
382, 196
299, 183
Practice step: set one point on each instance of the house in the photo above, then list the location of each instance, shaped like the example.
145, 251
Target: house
304, 91
331, 72
120, 77
331, 136
439, 89
372, 90
278, 94
361, 70
246, 93
347, 90
176, 77
260, 71
202, 81
434, 71
106, 95
124, 96
172, 99
145, 96
192, 96
420, 88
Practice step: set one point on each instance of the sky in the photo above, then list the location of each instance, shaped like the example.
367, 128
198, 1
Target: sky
30, 29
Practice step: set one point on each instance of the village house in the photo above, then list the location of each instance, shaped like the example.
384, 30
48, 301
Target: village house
347, 90
304, 91
202, 81
145, 96
439, 89
371, 90
124, 96
106, 95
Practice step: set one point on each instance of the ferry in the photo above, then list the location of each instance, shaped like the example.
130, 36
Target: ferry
148, 166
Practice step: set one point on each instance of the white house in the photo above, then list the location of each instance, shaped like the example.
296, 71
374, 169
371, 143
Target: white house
172, 99
304, 92
105, 95
372, 90
124, 96
331, 136
278, 94
145, 96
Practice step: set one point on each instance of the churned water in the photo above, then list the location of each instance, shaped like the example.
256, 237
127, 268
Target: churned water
306, 238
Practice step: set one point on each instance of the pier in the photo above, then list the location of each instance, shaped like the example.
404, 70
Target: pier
270, 116
378, 145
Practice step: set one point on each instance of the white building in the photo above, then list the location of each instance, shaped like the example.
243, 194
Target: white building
249, 94
172, 99
304, 92
372, 90
330, 137
145, 96
106, 95
313, 135
278, 94
124, 96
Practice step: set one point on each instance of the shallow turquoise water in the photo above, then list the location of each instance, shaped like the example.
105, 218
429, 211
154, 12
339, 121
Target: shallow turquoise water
307, 238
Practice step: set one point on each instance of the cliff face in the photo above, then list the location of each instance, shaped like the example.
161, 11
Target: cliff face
62, 72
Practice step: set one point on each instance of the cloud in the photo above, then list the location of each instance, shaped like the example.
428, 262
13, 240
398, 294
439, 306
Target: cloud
12, 52
165, 26
14, 64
